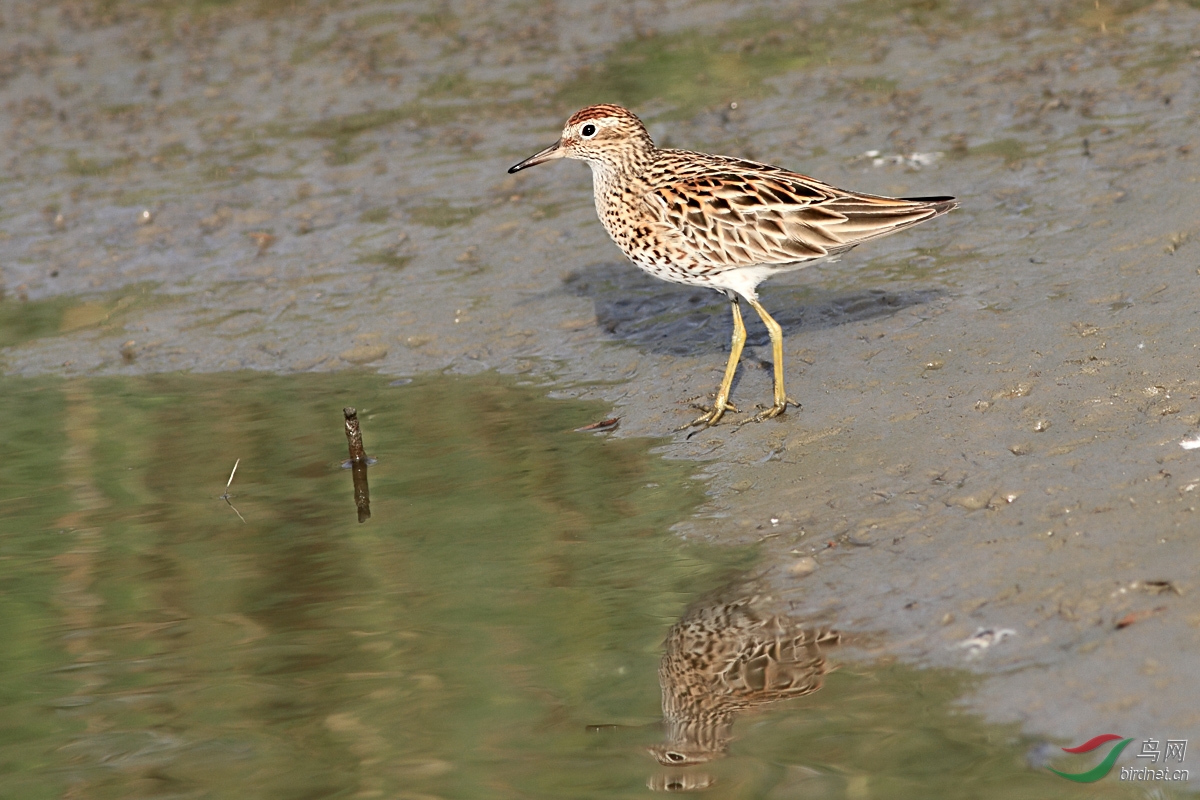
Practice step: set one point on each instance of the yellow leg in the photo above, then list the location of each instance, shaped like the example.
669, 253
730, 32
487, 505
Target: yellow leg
710, 418
776, 332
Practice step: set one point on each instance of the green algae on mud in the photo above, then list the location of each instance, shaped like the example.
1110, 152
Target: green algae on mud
108, 12
387, 257
691, 70
440, 213
418, 113
1013, 151
25, 320
376, 215
94, 167
694, 69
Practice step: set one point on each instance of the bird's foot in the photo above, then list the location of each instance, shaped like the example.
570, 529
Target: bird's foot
710, 415
774, 411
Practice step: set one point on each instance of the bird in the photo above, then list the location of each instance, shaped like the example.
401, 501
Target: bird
726, 656
721, 222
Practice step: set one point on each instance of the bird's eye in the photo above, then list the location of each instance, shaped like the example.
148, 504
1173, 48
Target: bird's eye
588, 131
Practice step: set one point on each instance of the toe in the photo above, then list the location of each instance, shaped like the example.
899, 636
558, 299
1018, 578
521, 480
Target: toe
772, 412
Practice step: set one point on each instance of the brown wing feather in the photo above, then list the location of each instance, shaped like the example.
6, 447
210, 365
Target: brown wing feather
737, 213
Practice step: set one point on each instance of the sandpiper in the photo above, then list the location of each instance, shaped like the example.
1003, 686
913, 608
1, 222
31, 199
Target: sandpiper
721, 222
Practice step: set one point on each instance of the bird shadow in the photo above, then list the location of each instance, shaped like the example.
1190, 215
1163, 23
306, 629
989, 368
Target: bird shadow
650, 314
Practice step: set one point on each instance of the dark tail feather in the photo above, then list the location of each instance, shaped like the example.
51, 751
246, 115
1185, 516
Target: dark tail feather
940, 205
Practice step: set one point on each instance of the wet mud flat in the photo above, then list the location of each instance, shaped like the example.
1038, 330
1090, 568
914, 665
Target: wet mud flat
993, 404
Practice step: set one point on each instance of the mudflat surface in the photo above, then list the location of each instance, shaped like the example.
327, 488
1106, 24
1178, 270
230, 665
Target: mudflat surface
993, 403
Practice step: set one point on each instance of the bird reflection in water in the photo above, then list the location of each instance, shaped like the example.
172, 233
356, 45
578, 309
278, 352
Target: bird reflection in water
728, 654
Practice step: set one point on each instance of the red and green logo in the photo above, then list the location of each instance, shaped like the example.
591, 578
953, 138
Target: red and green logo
1104, 767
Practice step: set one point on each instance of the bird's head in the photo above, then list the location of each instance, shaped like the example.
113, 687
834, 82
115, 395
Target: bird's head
604, 135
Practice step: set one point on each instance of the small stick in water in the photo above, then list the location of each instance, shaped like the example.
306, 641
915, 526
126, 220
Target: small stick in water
358, 464
601, 426
227, 495
353, 434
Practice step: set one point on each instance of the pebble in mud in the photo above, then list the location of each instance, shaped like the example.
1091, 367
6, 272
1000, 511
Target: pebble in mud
972, 502
802, 566
363, 354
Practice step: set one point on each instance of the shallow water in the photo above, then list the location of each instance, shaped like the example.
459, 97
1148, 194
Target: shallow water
169, 634
509, 586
